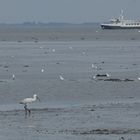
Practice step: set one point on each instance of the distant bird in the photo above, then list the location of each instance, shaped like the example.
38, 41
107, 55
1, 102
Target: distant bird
94, 77
83, 52
93, 66
12, 56
41, 47
13, 77
27, 101
108, 75
42, 70
70, 48
53, 50
138, 78
61, 78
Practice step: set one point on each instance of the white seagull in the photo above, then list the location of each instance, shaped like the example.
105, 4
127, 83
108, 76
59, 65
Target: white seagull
13, 77
61, 78
53, 50
27, 101
42, 70
108, 75
70, 48
138, 78
93, 66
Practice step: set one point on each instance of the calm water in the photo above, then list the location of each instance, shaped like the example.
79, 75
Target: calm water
71, 59
66, 33
68, 51
76, 106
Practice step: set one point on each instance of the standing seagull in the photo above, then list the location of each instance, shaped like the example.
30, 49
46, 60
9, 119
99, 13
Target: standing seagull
13, 77
94, 67
27, 101
61, 78
42, 70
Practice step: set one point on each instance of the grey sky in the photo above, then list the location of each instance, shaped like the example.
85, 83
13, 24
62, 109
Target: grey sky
74, 11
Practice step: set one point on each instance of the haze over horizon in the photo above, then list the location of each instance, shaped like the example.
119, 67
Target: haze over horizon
72, 11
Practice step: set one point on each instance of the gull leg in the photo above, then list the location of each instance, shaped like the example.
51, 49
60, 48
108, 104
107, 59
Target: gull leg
25, 107
27, 110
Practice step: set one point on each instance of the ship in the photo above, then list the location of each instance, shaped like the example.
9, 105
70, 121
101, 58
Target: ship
121, 23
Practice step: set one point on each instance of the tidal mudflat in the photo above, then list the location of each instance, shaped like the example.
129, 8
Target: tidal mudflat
89, 89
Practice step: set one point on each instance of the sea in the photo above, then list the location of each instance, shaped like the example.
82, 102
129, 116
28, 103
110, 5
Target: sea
81, 105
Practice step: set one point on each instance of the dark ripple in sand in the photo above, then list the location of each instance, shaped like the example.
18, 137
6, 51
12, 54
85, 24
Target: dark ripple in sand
119, 80
105, 131
39, 110
115, 80
90, 131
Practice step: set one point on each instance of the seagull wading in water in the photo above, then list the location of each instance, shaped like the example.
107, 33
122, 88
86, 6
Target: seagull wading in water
27, 101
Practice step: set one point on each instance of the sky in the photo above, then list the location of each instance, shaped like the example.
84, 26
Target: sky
69, 11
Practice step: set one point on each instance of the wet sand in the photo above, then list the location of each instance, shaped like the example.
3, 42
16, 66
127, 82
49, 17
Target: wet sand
83, 106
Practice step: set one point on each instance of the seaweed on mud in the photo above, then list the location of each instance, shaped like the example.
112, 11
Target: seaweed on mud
118, 80
92, 131
26, 66
114, 79
106, 131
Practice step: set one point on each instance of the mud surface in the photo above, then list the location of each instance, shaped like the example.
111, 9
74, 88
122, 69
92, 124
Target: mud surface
81, 105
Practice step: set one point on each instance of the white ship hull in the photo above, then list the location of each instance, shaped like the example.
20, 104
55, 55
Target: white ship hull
109, 26
121, 23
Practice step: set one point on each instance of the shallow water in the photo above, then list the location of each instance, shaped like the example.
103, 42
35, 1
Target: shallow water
25, 60
79, 107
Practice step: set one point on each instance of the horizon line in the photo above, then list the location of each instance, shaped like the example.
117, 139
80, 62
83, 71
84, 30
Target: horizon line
37, 23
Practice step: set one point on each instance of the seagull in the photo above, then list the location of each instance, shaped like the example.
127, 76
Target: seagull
138, 78
94, 77
12, 56
108, 75
41, 47
42, 70
83, 52
70, 48
13, 77
27, 101
53, 50
93, 66
61, 78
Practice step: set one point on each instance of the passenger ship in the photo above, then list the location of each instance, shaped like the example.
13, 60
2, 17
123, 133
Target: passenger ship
121, 23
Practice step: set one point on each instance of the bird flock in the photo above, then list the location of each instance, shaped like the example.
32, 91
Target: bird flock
93, 66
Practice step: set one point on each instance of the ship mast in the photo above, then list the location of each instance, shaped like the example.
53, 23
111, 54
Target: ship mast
121, 15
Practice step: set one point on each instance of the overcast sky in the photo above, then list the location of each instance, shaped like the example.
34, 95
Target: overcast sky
73, 11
